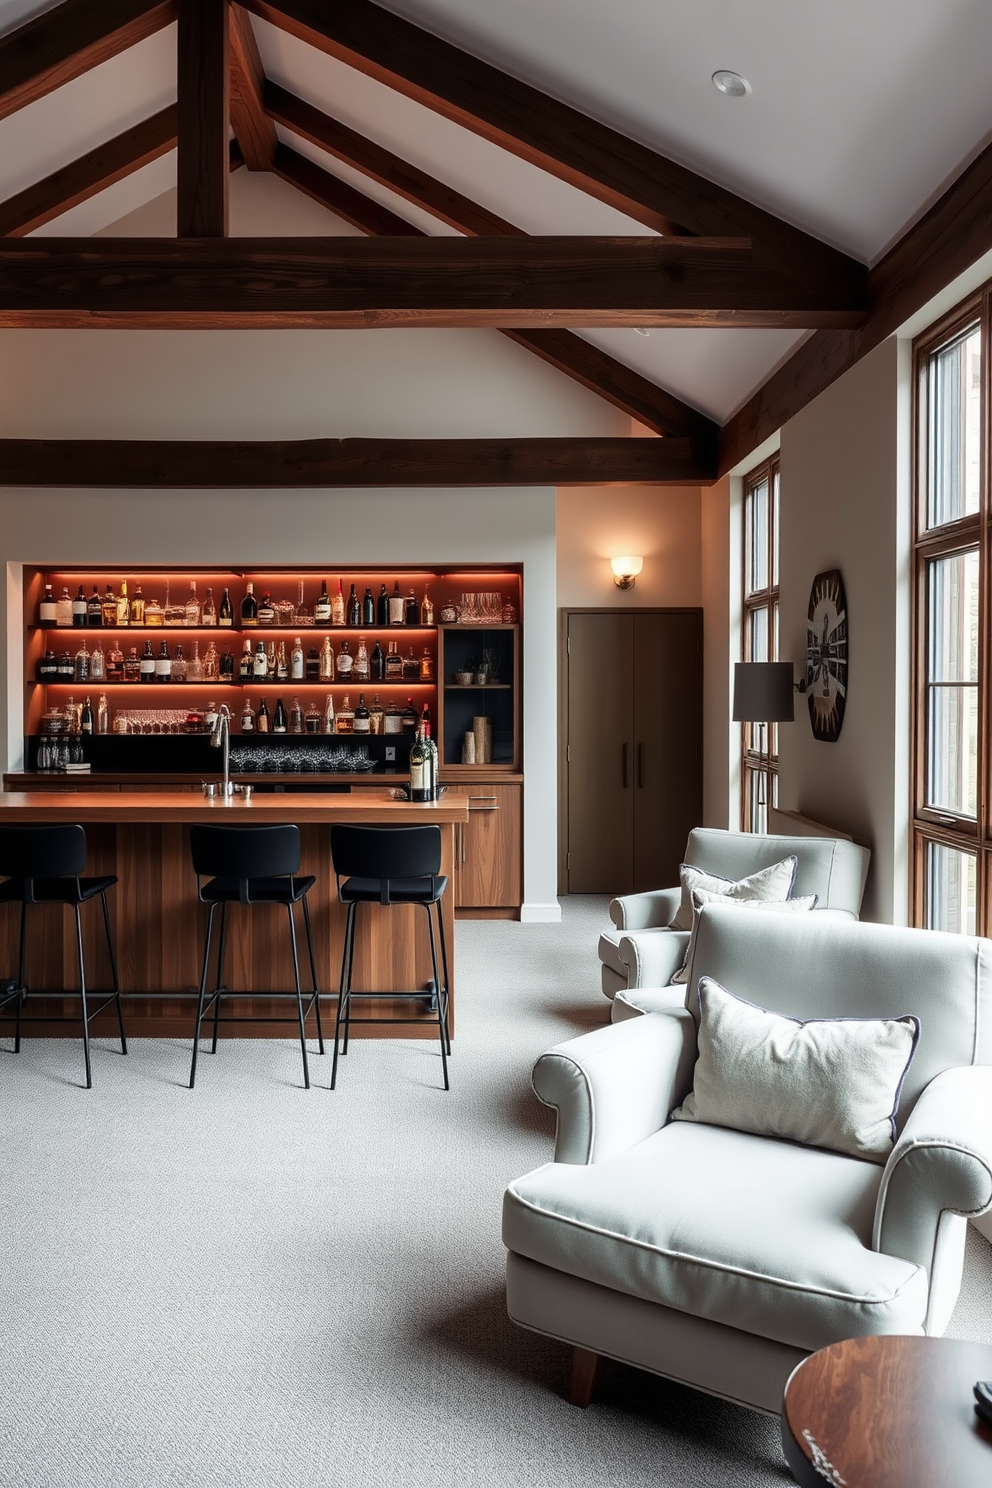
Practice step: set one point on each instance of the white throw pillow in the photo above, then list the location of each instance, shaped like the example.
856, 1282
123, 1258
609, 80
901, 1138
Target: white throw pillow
701, 897
768, 883
825, 1082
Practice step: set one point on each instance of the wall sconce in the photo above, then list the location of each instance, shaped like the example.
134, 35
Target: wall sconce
625, 570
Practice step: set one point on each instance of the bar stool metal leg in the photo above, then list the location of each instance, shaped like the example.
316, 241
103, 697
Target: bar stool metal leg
113, 970
203, 993
20, 978
299, 997
313, 973
344, 990
440, 997
219, 985
444, 973
82, 995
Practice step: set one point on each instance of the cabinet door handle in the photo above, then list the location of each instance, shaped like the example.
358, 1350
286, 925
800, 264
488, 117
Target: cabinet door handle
625, 748
640, 766
489, 803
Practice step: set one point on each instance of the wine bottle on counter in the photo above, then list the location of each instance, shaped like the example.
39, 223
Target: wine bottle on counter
362, 717
225, 615
423, 768
249, 608
279, 718
322, 606
48, 609
354, 617
337, 608
425, 720
79, 608
368, 607
382, 607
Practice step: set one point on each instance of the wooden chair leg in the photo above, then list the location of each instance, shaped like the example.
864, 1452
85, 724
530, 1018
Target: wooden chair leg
586, 1367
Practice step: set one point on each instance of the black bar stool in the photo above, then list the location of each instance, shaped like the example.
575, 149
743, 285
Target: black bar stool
389, 865
251, 865
44, 865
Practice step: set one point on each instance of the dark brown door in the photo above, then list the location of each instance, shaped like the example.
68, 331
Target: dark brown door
633, 747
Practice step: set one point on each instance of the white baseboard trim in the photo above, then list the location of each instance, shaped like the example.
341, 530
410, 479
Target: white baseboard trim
540, 914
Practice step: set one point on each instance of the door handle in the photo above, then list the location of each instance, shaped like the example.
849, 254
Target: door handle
625, 748
640, 766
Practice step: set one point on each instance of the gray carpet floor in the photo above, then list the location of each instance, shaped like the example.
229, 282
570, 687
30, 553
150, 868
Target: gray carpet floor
251, 1285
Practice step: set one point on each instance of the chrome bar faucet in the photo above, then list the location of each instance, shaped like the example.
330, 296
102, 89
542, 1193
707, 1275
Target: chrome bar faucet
221, 738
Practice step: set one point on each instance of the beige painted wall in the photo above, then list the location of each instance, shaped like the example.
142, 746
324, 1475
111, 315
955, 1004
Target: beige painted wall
660, 522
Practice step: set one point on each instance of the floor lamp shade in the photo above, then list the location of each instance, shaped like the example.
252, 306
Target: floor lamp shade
763, 692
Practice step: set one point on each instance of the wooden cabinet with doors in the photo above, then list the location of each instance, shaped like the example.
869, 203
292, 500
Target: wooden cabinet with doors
488, 848
631, 777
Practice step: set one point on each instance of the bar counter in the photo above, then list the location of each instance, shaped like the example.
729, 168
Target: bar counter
143, 838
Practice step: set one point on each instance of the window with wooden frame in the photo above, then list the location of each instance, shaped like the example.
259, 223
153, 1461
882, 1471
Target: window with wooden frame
952, 832
759, 637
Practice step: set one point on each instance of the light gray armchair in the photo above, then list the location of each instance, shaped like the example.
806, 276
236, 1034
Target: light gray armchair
721, 1258
641, 951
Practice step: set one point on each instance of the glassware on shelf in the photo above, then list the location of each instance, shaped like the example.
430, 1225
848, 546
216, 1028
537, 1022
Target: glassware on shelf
191, 610
173, 614
194, 667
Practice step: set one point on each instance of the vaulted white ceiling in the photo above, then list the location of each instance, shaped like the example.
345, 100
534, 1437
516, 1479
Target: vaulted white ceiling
862, 112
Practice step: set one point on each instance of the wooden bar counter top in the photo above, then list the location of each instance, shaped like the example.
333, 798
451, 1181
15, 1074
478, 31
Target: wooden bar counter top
143, 838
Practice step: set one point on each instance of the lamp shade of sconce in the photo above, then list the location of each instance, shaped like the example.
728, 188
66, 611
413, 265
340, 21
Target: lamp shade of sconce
625, 570
763, 692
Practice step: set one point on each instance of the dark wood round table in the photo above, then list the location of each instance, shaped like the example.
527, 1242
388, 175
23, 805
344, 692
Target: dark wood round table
882, 1412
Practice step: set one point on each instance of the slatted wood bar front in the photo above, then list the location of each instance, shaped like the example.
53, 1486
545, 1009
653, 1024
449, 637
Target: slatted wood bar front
159, 926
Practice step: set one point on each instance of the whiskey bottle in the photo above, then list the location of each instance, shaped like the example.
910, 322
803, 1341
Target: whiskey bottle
246, 666
81, 667
411, 667
138, 607
123, 606
326, 671
163, 664
345, 662
153, 613
354, 609
94, 609
47, 609
247, 718
79, 608
311, 667
362, 719
266, 614
48, 668
192, 612
329, 714
63, 609
225, 615
393, 720
98, 664
249, 608
382, 607
396, 605
311, 720
279, 718
260, 665
426, 609
115, 664
66, 668
295, 717
147, 672
322, 607
376, 716
180, 670
394, 663
103, 715
377, 664
132, 666
410, 719
368, 607
296, 661
411, 615
86, 718
360, 671
262, 718
337, 607
226, 666
208, 615
271, 662
282, 665
108, 609
427, 666
345, 721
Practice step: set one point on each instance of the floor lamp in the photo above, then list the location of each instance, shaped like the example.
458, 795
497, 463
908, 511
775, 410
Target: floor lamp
763, 693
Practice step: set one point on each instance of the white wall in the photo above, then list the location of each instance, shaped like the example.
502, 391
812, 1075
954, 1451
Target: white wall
720, 560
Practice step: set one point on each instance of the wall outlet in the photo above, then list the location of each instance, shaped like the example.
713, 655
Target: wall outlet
390, 752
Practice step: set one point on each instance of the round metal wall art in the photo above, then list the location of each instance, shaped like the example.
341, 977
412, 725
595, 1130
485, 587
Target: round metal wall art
826, 655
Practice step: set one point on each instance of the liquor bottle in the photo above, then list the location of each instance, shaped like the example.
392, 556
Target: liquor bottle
279, 719
63, 609
98, 664
180, 671
296, 662
360, 671
376, 716
103, 715
246, 665
249, 608
312, 665
81, 666
123, 606
423, 768
396, 605
363, 723
66, 668
194, 667
322, 607
382, 607
192, 615
225, 615
266, 614
115, 664
377, 664
337, 607
411, 667
247, 717
326, 671
393, 720
329, 714
394, 663
426, 609
211, 664
410, 719
226, 665
411, 612
47, 609
295, 717
311, 720
108, 609
262, 718
271, 663
368, 607
79, 608
260, 665
354, 617
163, 664
94, 609
86, 717
210, 717
138, 607
153, 613
425, 720
427, 666
345, 721
345, 662
282, 665
208, 615
48, 668
132, 666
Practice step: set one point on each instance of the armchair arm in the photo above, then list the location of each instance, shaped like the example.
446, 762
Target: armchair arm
941, 1164
617, 1085
652, 911
652, 957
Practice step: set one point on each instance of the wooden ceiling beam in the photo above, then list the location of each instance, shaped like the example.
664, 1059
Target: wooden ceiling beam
310, 463
596, 159
338, 197
203, 83
253, 129
947, 240
67, 41
517, 283
90, 174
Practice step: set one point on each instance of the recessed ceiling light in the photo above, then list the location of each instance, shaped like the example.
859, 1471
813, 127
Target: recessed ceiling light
731, 83
642, 330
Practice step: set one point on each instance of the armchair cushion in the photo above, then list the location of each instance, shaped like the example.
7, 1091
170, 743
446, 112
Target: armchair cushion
702, 897
773, 882
735, 1228
825, 1082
